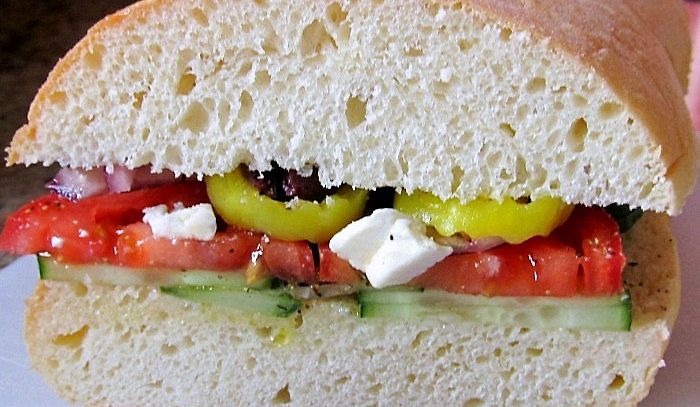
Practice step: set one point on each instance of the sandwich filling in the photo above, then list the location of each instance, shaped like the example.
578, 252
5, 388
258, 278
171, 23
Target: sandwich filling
283, 230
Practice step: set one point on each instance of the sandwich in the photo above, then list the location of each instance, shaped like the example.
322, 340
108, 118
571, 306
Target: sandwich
359, 203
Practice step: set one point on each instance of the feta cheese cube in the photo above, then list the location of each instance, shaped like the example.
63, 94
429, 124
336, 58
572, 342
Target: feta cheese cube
196, 222
390, 247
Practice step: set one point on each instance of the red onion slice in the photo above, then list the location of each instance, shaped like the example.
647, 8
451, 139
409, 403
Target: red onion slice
120, 180
78, 184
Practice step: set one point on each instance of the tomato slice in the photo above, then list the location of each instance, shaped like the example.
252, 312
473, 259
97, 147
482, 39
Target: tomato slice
86, 231
333, 269
537, 267
582, 257
289, 261
593, 233
229, 251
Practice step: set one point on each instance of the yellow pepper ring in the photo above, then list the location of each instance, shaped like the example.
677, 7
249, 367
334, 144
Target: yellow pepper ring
240, 204
510, 220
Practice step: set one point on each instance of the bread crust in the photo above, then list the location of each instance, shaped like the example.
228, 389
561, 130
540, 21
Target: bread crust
128, 346
605, 36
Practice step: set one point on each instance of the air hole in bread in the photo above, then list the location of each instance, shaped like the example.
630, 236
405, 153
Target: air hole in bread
264, 332
497, 69
443, 350
355, 111
534, 351
457, 175
465, 45
474, 402
336, 14
536, 85
251, 362
414, 52
508, 373
411, 378
419, 338
505, 34
342, 380
577, 133
375, 389
403, 163
580, 101
155, 50
186, 83
441, 89
433, 9
481, 359
195, 119
168, 349
617, 382
507, 129
270, 43
262, 79
315, 39
138, 100
521, 172
173, 154
246, 106
93, 57
73, 339
183, 59
609, 110
79, 289
260, 3
200, 17
224, 115
187, 342
156, 384
282, 396
391, 170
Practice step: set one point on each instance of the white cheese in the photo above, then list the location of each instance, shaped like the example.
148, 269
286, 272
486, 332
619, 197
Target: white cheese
196, 222
389, 247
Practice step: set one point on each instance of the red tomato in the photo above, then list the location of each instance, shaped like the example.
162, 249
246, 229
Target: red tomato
289, 261
595, 236
333, 269
86, 230
537, 267
230, 250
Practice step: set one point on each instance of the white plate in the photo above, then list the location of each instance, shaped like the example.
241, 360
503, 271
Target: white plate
678, 385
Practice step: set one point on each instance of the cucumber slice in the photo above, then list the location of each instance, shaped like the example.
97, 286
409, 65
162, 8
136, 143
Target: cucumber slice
607, 313
50, 269
270, 302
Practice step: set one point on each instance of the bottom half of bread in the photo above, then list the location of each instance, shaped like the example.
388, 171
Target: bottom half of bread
100, 345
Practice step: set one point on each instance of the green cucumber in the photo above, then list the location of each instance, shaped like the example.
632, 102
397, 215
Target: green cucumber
607, 313
50, 269
270, 302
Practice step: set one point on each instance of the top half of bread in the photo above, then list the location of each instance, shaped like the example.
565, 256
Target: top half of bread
581, 99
